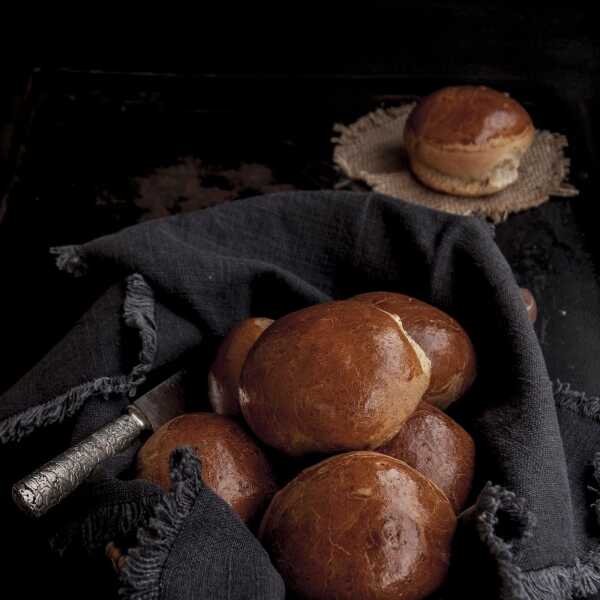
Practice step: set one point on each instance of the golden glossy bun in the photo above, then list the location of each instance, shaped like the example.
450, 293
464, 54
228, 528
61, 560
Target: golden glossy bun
360, 525
444, 341
333, 377
467, 140
439, 448
224, 374
233, 466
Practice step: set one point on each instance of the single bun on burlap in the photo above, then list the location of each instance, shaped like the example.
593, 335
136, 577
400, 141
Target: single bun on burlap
233, 465
360, 525
224, 374
333, 377
467, 140
444, 341
439, 448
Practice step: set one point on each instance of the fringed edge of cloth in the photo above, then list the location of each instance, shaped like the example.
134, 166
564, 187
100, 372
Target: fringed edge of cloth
139, 315
141, 573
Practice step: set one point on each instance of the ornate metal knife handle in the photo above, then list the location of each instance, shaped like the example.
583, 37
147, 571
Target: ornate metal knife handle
48, 485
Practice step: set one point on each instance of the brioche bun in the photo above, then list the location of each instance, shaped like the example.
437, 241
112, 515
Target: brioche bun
444, 341
439, 448
360, 525
233, 466
333, 377
467, 140
224, 374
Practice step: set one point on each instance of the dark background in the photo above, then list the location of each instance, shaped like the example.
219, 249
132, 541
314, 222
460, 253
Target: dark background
243, 102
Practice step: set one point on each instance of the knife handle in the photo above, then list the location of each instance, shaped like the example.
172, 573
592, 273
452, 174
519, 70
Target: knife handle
51, 483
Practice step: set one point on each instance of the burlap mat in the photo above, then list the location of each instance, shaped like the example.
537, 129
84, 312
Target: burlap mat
371, 150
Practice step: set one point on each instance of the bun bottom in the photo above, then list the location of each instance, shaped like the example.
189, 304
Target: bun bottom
499, 178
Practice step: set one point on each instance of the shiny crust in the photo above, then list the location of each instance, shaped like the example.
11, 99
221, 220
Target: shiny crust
444, 341
439, 448
233, 466
332, 377
360, 525
468, 116
467, 140
224, 374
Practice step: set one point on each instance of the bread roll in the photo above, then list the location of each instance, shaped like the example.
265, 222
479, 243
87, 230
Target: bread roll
332, 377
233, 466
360, 525
439, 448
224, 374
467, 140
444, 341
530, 304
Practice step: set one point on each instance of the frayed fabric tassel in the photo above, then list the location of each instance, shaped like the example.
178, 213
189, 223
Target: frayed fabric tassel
377, 118
586, 575
596, 487
70, 259
563, 583
138, 314
552, 583
15, 428
142, 570
578, 402
582, 579
99, 527
495, 504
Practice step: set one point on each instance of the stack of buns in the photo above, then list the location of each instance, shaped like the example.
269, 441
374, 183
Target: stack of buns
355, 388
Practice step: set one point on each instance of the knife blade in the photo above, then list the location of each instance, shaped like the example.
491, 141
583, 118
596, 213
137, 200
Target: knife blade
162, 403
50, 484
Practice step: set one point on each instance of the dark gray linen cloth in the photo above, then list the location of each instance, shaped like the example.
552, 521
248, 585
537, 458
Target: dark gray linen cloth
175, 286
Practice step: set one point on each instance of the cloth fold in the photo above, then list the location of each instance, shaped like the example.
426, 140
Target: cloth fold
202, 272
229, 563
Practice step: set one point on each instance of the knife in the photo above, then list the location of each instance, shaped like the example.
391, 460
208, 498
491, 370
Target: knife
48, 485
